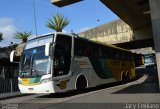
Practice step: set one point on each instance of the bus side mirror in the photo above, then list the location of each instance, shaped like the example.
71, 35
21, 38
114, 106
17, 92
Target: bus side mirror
52, 49
47, 49
12, 56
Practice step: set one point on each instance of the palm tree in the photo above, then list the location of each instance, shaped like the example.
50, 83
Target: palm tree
1, 38
22, 35
58, 22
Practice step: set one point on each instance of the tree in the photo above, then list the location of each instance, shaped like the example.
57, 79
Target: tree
22, 35
1, 38
58, 22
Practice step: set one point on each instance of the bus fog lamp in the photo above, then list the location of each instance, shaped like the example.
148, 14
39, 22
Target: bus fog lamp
46, 80
19, 82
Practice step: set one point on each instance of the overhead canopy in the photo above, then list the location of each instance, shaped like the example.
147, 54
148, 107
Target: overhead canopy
61, 3
136, 13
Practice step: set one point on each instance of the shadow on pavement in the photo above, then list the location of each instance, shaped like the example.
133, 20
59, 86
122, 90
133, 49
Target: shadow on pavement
149, 86
73, 93
13, 96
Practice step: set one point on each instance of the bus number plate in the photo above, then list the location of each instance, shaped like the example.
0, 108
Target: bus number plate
30, 89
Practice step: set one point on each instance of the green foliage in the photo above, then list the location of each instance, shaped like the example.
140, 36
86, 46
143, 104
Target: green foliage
58, 22
1, 38
22, 35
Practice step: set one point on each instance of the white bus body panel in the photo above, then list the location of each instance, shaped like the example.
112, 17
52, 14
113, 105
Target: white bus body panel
81, 66
86, 69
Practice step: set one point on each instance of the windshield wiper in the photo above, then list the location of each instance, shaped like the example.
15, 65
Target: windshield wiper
31, 66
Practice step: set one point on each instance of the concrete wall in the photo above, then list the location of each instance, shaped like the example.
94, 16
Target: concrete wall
115, 32
143, 33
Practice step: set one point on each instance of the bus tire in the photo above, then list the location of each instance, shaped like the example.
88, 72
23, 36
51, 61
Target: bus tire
128, 78
124, 79
81, 83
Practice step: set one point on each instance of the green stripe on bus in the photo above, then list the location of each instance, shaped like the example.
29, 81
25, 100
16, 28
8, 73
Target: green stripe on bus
35, 80
101, 67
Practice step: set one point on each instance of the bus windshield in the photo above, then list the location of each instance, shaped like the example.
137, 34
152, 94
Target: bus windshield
34, 62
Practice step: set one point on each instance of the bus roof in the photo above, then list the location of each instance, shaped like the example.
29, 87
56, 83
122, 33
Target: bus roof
44, 35
76, 36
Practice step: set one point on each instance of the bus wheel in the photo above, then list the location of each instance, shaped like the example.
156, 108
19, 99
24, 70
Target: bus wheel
128, 78
81, 83
124, 79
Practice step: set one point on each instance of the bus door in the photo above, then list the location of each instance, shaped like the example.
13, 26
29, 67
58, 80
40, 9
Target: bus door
62, 55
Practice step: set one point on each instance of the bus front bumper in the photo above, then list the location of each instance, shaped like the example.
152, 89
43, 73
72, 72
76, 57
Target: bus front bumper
38, 88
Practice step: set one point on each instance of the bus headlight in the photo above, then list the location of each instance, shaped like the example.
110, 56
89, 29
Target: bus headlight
19, 82
46, 80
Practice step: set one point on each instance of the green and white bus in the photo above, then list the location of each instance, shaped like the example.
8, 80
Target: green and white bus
61, 62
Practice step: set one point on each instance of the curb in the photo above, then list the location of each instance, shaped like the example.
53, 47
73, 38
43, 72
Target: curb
12, 95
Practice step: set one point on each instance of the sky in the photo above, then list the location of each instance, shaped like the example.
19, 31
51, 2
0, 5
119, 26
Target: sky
18, 15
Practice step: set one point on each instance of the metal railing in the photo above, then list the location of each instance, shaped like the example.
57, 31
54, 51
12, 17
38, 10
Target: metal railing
8, 79
9, 85
8, 72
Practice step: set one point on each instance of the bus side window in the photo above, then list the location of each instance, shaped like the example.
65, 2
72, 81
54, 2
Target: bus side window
114, 54
96, 52
62, 55
123, 56
117, 55
110, 54
104, 52
79, 47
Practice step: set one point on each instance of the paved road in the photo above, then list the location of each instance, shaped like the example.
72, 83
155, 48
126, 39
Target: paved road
139, 91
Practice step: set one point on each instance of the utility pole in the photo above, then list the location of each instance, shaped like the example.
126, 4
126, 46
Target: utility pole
35, 23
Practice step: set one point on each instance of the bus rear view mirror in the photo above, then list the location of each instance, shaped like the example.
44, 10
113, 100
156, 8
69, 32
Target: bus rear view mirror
47, 48
12, 56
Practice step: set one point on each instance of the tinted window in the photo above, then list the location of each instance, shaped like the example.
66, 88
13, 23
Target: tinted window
62, 54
